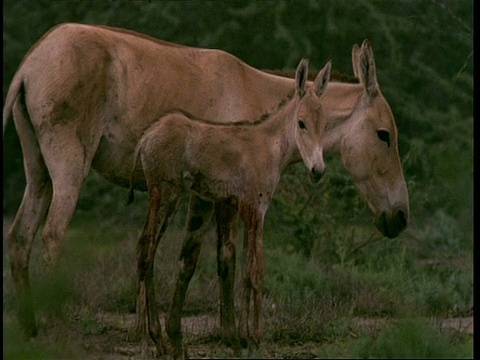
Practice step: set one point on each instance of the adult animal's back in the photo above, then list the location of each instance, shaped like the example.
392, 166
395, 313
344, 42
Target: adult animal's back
104, 86
82, 97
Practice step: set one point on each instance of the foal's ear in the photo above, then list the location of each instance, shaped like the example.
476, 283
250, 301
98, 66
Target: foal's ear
356, 61
301, 77
368, 71
321, 81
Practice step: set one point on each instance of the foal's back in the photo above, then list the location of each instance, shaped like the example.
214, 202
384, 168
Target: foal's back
209, 159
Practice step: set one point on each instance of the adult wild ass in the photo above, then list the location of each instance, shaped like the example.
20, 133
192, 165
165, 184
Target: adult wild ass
238, 164
84, 94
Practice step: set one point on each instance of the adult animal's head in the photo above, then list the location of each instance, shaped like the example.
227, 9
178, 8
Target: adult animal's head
369, 150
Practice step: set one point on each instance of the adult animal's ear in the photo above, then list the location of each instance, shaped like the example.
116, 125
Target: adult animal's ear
301, 77
321, 81
367, 69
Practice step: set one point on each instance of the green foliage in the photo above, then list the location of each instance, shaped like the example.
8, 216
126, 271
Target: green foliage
444, 289
291, 274
409, 339
59, 344
380, 279
323, 253
306, 300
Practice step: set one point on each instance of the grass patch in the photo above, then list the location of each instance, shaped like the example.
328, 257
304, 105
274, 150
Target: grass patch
409, 339
308, 300
299, 321
56, 342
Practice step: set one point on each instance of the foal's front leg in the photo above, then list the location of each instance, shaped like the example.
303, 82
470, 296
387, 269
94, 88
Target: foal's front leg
226, 213
198, 218
253, 270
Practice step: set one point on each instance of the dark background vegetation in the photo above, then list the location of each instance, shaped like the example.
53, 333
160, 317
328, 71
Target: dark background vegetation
320, 239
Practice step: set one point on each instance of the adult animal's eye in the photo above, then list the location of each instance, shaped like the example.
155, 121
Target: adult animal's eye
302, 125
384, 136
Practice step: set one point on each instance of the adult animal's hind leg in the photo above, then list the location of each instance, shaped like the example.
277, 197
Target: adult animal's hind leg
226, 213
198, 218
32, 210
68, 164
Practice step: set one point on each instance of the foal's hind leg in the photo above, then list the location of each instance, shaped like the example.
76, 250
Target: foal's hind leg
226, 213
37, 196
163, 204
198, 218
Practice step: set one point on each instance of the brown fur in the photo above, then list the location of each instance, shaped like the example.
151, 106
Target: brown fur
238, 163
84, 94
335, 77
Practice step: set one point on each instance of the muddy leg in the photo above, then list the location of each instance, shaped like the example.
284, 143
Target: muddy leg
253, 219
56, 164
163, 204
20, 239
257, 273
68, 158
227, 218
198, 218
66, 190
149, 232
246, 291
32, 210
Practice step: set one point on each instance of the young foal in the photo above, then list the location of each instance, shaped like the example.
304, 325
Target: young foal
238, 164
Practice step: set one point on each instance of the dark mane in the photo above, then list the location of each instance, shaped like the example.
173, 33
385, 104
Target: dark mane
260, 120
335, 75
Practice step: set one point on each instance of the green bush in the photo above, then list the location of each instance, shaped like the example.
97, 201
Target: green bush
323, 254
409, 339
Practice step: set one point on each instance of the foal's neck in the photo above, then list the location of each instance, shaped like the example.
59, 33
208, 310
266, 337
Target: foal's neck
278, 132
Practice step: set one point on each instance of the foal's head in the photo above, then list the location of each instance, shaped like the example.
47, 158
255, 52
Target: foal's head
310, 120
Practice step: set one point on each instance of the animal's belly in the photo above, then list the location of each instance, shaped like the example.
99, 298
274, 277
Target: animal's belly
208, 187
115, 163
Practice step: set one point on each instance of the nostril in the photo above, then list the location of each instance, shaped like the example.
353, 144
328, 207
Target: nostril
318, 171
401, 218
316, 174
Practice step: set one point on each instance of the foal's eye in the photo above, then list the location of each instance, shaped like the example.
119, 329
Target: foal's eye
384, 136
302, 125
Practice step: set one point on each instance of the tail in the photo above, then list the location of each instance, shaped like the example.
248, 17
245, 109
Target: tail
12, 95
131, 195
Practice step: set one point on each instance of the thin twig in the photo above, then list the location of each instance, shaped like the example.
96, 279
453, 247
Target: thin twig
455, 17
372, 239
464, 65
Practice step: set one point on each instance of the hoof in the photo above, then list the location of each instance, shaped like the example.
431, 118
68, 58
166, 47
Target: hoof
233, 341
249, 342
136, 333
30, 332
176, 350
